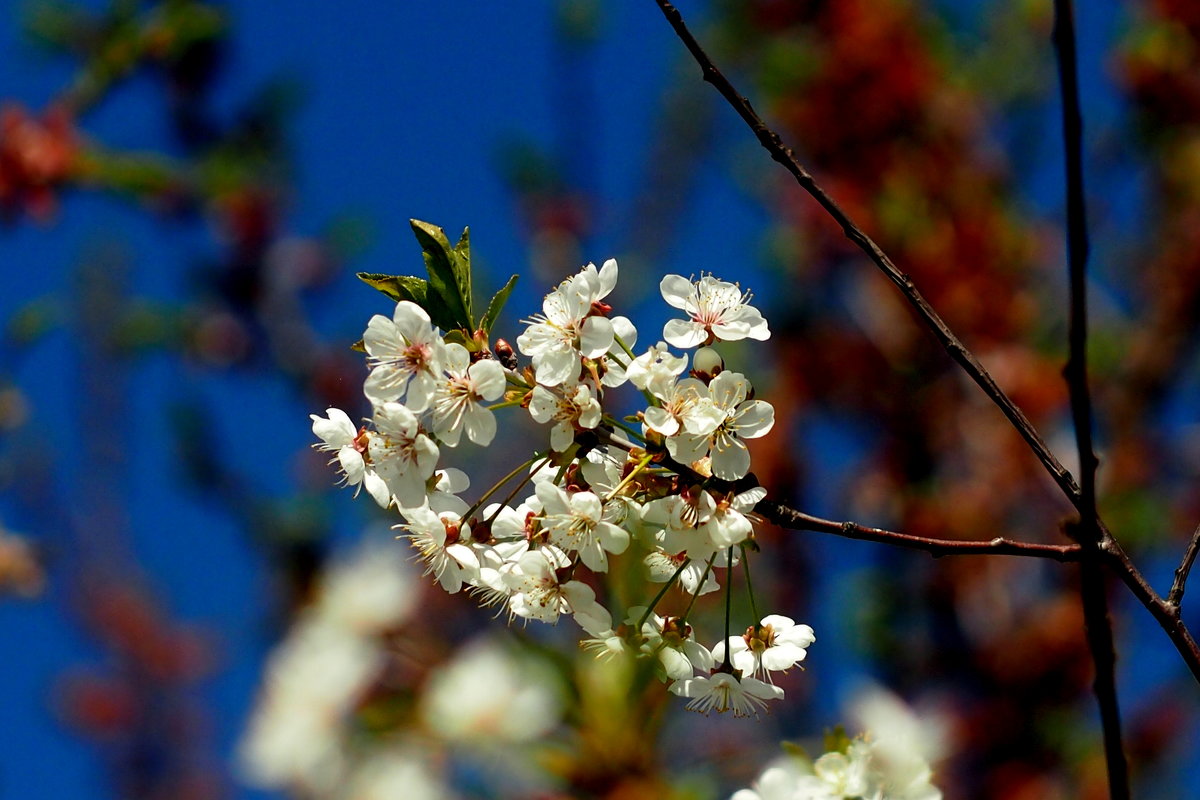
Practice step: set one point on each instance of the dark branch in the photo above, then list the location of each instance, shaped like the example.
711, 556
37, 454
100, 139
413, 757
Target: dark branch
1175, 596
1093, 592
786, 517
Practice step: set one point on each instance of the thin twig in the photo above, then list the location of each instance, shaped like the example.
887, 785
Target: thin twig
1092, 588
786, 517
1175, 596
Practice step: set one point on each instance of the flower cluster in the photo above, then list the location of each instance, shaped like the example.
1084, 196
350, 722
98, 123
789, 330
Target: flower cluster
890, 762
659, 483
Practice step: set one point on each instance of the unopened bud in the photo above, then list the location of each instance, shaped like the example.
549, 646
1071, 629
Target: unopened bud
505, 355
708, 362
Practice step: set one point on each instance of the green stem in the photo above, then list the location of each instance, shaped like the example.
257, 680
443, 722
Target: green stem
628, 429
653, 603
517, 488
524, 465
727, 663
707, 569
749, 586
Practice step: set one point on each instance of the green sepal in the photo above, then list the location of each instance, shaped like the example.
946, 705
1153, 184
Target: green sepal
496, 305
449, 276
359, 346
398, 287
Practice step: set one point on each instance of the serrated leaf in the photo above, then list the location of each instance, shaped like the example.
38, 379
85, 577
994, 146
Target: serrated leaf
462, 273
444, 266
398, 287
496, 305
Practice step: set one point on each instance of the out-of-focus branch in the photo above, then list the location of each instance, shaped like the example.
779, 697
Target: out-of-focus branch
1093, 592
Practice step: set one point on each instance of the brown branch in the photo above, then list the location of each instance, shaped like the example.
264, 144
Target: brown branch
1092, 589
1175, 596
790, 518
1114, 555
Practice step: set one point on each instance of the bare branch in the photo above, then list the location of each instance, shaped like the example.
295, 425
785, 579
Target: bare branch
1175, 596
790, 518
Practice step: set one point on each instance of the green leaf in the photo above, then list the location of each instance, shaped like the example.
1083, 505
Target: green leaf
398, 287
462, 273
449, 276
498, 300
459, 336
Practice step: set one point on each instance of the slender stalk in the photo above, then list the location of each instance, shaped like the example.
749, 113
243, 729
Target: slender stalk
728, 663
662, 592
750, 586
508, 498
1175, 596
703, 577
524, 465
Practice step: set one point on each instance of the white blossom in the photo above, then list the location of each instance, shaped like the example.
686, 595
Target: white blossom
403, 456
339, 436
739, 419
406, 355
716, 310
722, 692
457, 398
570, 408
440, 539
488, 694
575, 523
775, 645
569, 328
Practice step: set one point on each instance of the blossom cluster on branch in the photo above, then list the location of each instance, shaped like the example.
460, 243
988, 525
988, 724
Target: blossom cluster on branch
659, 483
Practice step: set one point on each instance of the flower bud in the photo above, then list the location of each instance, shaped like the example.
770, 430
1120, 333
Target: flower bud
708, 361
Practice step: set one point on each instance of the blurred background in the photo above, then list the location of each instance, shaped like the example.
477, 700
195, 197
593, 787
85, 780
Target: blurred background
187, 189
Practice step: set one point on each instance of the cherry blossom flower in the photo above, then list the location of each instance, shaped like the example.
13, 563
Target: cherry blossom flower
351, 445
403, 456
570, 408
722, 692
441, 539
655, 369
740, 419
775, 645
569, 327
457, 398
406, 355
537, 594
575, 523
670, 640
662, 566
490, 694
716, 310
